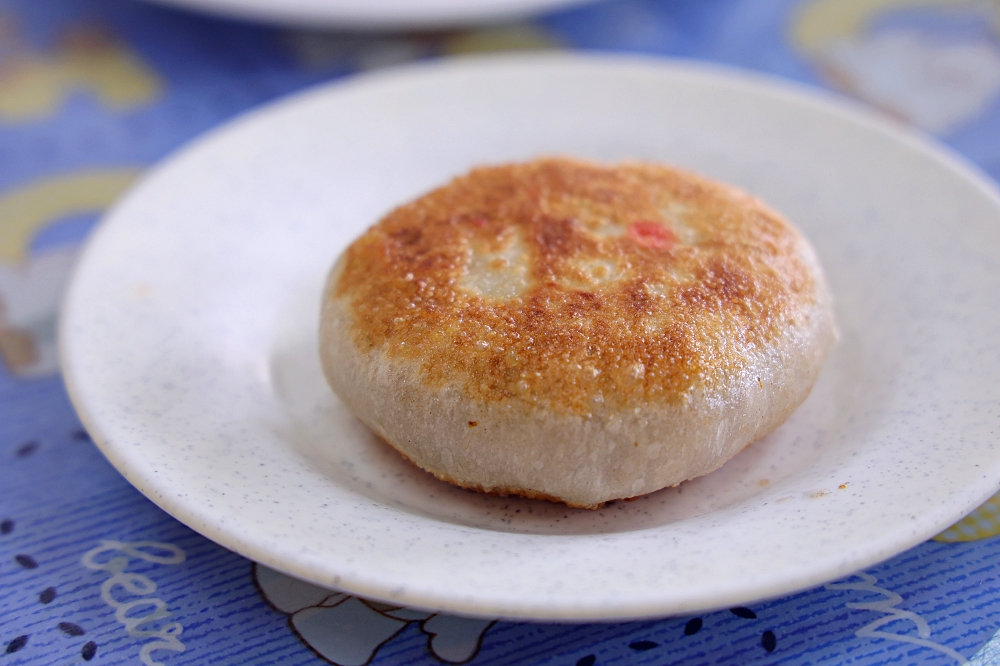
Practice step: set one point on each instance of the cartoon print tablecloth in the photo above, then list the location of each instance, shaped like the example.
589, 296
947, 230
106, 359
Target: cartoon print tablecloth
94, 91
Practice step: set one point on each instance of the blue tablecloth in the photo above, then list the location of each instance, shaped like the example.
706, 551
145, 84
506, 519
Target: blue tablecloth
94, 91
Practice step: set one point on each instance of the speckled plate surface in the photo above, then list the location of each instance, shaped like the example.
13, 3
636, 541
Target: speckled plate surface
189, 342
374, 14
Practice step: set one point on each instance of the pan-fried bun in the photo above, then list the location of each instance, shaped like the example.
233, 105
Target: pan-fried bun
573, 331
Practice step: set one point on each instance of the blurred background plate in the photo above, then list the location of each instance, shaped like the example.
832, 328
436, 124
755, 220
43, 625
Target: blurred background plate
375, 14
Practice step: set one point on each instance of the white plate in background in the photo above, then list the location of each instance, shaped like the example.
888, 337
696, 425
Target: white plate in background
375, 14
189, 342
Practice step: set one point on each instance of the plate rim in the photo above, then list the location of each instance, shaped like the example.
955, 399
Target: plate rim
308, 14
828, 101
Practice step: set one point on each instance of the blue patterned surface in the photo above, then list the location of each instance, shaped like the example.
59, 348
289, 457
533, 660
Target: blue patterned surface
92, 571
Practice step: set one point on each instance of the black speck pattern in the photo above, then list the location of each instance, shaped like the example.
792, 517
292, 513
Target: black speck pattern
587, 661
47, 595
6, 527
88, 651
768, 640
26, 561
27, 449
745, 613
81, 436
71, 629
16, 644
643, 645
692, 627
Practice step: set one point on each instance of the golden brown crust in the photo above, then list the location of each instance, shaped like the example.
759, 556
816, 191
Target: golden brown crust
575, 286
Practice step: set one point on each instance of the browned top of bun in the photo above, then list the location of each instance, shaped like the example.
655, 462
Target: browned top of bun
577, 286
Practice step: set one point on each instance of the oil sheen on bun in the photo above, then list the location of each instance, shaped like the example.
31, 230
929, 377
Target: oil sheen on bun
573, 331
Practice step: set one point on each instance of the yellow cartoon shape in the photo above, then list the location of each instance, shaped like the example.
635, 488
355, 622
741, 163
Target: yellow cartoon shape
982, 523
822, 22
933, 80
31, 286
35, 85
515, 37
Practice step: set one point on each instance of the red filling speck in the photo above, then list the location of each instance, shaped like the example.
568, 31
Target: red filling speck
652, 234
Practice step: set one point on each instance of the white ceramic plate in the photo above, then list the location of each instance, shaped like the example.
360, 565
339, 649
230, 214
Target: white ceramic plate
375, 14
189, 342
